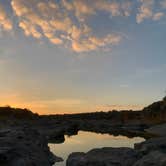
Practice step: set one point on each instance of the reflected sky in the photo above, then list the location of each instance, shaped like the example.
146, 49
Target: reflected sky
85, 141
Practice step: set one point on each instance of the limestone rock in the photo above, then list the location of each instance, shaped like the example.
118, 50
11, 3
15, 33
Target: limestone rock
104, 157
154, 158
24, 147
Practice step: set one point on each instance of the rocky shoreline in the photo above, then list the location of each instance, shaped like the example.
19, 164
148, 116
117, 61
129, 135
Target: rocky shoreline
24, 146
24, 137
151, 152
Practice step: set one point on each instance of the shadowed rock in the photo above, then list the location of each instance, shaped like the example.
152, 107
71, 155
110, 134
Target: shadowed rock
153, 144
155, 158
24, 147
104, 157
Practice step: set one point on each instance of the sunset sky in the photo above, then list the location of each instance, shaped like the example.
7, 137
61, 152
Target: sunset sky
68, 56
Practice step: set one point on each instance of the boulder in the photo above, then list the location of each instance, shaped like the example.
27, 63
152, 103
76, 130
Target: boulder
155, 158
152, 144
24, 147
157, 130
104, 157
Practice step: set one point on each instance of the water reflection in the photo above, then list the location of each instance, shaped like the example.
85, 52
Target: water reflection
86, 141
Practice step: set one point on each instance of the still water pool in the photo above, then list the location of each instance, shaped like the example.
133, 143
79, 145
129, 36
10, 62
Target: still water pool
85, 141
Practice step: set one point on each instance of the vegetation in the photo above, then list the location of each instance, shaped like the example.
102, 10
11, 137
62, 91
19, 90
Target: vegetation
17, 113
152, 114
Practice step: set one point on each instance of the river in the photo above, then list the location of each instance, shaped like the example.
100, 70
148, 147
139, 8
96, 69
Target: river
85, 141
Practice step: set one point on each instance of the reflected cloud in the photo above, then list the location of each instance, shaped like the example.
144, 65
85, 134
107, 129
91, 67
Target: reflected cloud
85, 141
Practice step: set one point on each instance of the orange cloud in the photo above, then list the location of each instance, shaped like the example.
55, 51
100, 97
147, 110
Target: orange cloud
47, 19
84, 8
146, 11
158, 16
29, 29
92, 43
5, 22
118, 107
66, 22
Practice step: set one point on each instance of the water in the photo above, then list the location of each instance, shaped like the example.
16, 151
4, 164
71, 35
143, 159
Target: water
85, 141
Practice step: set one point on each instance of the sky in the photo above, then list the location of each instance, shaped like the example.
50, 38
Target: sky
70, 56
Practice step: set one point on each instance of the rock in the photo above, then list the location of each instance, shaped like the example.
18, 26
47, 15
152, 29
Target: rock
71, 129
152, 144
154, 158
104, 157
153, 152
24, 147
158, 130
57, 137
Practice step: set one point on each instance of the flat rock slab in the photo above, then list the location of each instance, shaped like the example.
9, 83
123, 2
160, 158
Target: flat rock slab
153, 144
104, 157
159, 130
155, 158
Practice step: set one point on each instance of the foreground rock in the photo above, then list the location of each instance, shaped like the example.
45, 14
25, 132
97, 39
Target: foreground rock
149, 153
154, 158
153, 144
24, 147
104, 157
159, 130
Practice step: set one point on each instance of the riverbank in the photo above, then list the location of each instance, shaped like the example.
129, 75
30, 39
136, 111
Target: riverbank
151, 152
24, 146
25, 136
